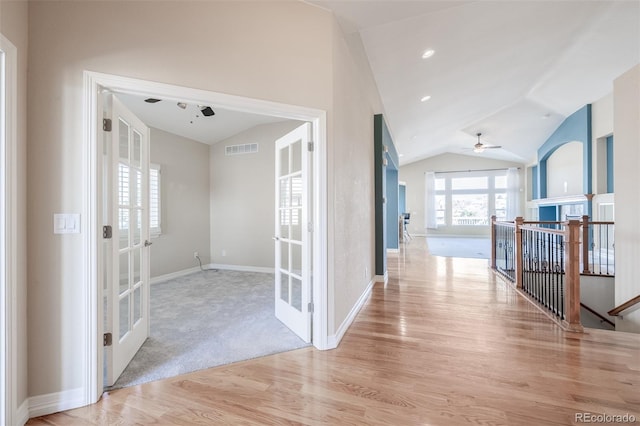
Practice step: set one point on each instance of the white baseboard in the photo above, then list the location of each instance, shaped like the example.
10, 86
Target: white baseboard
242, 268
173, 275
382, 278
54, 402
22, 415
334, 340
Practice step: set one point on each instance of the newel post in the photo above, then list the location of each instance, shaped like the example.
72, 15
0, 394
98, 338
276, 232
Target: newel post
572, 276
493, 241
585, 244
518, 251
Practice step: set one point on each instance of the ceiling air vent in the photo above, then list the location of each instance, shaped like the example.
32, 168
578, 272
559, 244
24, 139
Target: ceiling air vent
248, 148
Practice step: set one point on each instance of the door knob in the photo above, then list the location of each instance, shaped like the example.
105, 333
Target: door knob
147, 243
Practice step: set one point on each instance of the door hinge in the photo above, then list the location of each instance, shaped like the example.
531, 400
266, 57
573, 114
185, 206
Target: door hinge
310, 307
107, 339
107, 232
106, 124
310, 146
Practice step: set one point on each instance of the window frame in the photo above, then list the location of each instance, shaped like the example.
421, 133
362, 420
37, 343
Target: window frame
155, 231
490, 191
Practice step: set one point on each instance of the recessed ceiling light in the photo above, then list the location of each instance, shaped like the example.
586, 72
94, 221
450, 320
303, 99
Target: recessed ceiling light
400, 155
425, 98
152, 100
428, 53
545, 116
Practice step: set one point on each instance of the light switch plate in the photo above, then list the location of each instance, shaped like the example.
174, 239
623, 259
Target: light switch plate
66, 223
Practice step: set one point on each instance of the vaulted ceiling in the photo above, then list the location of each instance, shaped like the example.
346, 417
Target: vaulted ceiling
511, 70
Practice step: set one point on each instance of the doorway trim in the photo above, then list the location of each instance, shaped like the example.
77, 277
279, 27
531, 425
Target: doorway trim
92, 235
8, 244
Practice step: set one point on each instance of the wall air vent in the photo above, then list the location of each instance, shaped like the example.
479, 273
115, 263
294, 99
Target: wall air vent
248, 148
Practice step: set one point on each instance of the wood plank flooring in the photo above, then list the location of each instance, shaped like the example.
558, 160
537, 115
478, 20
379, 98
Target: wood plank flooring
445, 342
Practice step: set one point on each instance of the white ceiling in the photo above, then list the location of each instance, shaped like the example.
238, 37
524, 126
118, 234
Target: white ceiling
512, 70
189, 122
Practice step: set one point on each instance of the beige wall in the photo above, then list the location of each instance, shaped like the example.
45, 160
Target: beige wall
351, 220
14, 26
287, 52
241, 48
242, 198
413, 175
626, 121
184, 203
564, 171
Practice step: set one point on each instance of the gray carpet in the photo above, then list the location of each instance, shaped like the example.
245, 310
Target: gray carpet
208, 319
475, 248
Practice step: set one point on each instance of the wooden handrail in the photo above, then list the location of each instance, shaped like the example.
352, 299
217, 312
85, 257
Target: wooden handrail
608, 321
626, 305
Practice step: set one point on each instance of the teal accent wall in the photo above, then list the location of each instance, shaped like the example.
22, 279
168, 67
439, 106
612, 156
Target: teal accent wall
392, 208
610, 187
535, 184
402, 199
576, 127
383, 148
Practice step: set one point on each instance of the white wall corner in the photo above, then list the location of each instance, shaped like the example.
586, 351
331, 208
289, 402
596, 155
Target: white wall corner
173, 275
334, 340
242, 268
41, 405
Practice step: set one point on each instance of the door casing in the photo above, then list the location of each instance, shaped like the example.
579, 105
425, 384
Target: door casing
92, 172
8, 249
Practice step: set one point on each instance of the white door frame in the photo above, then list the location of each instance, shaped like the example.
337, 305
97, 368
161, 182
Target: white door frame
92, 233
8, 243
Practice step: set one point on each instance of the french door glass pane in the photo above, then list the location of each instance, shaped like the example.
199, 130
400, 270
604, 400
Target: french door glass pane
296, 259
296, 157
137, 267
124, 272
284, 223
124, 140
284, 162
284, 287
296, 293
137, 148
123, 226
124, 316
296, 224
284, 256
285, 193
137, 226
137, 304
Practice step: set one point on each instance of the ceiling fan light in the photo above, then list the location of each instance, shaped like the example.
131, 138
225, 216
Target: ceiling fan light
478, 149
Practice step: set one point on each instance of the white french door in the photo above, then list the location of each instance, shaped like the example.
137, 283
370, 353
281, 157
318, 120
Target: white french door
292, 235
127, 260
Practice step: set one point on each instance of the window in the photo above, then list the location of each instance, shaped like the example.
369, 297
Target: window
154, 200
470, 198
154, 197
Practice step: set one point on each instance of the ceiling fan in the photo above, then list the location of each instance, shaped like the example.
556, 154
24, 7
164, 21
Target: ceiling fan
480, 147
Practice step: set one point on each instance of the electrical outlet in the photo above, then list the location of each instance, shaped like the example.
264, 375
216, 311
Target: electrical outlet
224, 253
195, 255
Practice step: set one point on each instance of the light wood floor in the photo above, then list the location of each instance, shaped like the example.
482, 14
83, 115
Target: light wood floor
444, 343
